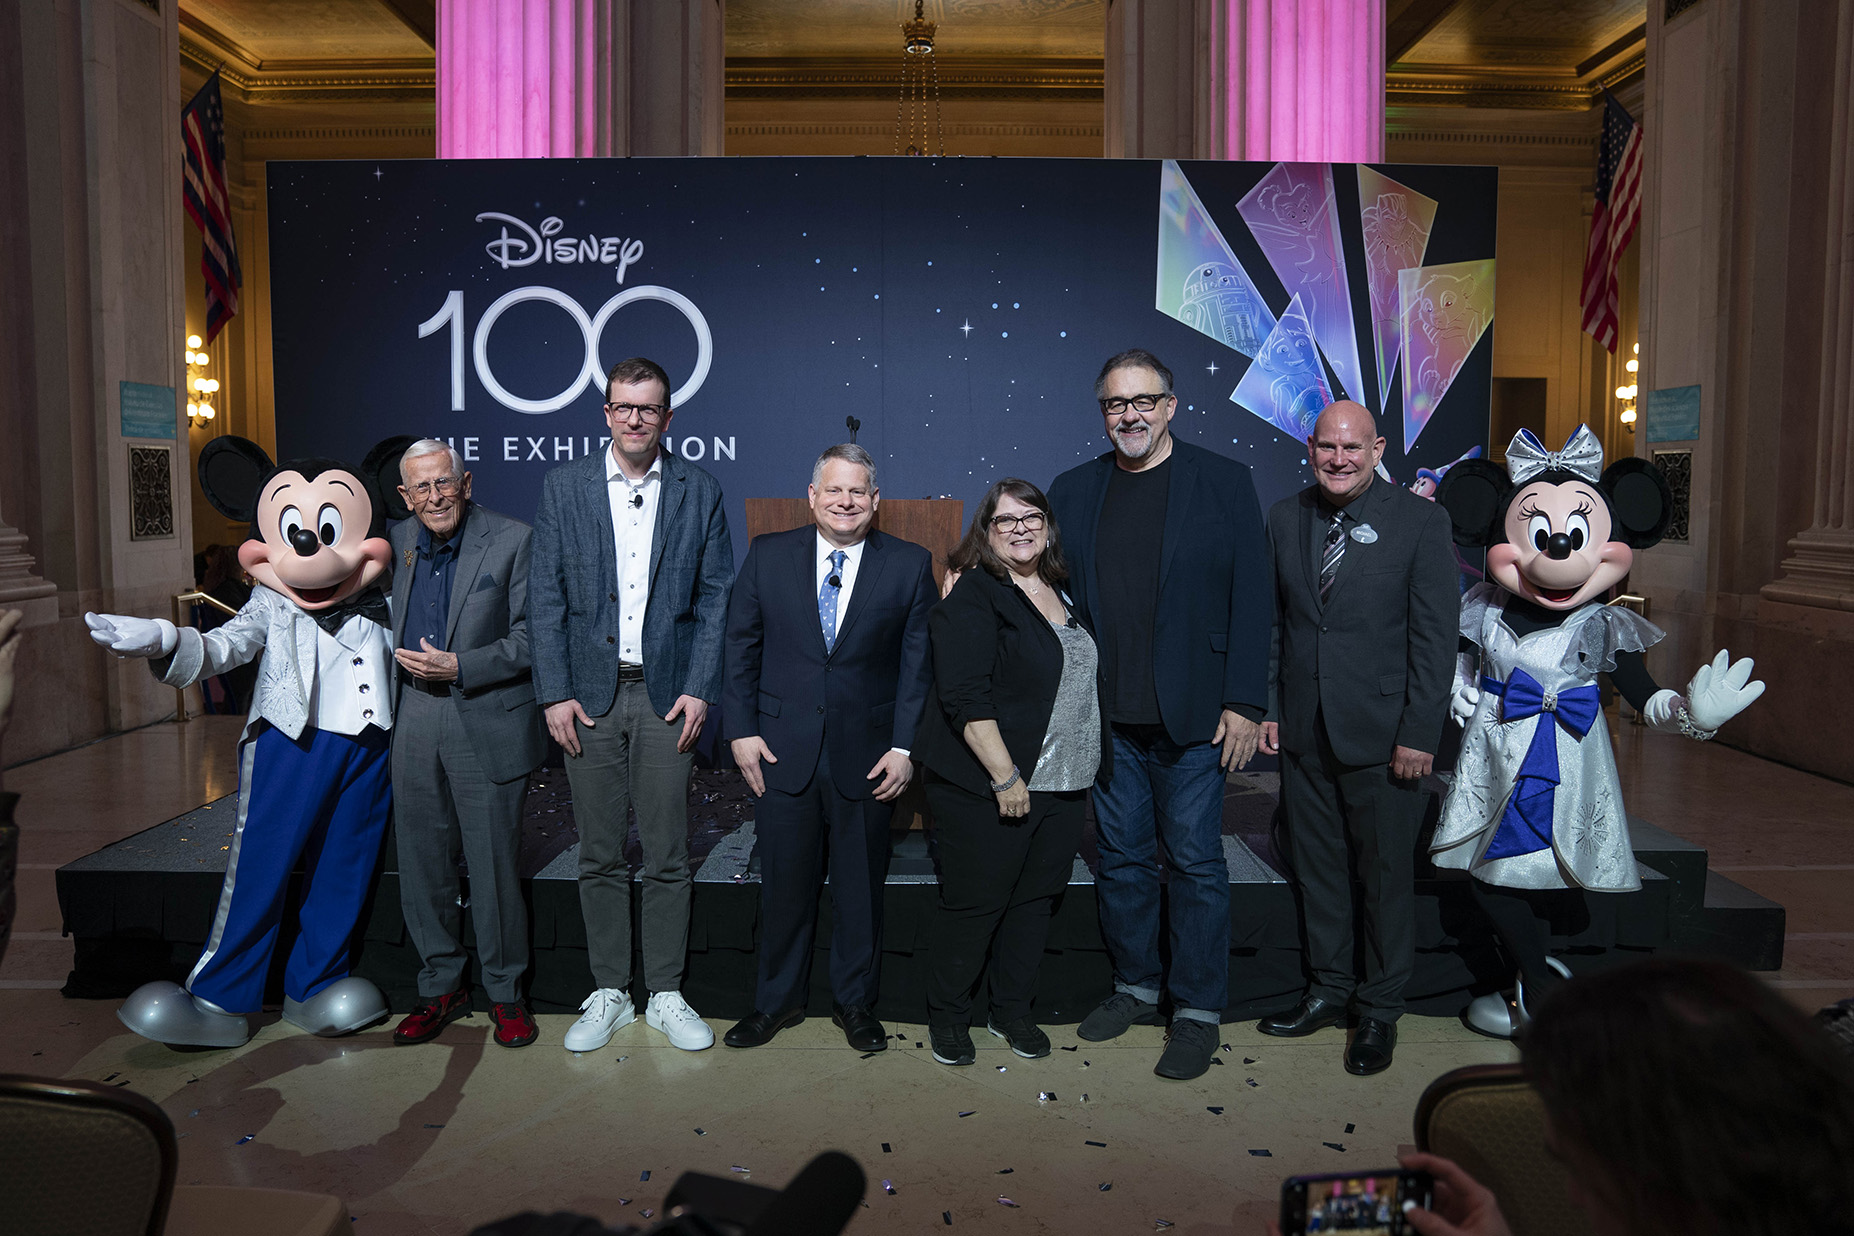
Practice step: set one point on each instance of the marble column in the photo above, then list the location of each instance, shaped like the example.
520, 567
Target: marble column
572, 78
1246, 79
1820, 568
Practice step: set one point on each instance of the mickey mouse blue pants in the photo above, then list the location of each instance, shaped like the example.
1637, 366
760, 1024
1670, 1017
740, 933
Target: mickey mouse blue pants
323, 799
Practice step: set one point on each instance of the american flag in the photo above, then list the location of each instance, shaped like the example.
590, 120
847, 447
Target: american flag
202, 133
1612, 226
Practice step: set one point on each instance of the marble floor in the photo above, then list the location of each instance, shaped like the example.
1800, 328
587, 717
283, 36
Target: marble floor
439, 1138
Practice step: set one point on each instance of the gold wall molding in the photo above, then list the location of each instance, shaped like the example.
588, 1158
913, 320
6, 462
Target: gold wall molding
1494, 86
292, 81
873, 129
960, 77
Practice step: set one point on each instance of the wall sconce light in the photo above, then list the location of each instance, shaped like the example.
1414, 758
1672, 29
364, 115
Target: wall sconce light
200, 388
1627, 393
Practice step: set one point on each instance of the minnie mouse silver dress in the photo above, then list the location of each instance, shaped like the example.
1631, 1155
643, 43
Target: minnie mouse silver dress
1536, 802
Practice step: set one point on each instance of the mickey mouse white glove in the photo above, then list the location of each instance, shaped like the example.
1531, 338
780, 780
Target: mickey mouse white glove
1719, 691
133, 637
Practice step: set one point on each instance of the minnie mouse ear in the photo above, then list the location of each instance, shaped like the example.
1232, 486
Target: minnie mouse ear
1643, 503
231, 469
1474, 494
381, 470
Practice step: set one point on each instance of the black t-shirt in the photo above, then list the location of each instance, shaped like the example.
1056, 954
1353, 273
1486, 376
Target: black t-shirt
1126, 562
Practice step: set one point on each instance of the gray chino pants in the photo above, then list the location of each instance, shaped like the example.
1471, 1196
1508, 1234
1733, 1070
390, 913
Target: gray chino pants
629, 759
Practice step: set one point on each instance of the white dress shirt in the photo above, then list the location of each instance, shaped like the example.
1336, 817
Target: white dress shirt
852, 556
634, 522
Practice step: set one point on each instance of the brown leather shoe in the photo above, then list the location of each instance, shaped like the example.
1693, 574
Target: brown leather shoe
423, 1022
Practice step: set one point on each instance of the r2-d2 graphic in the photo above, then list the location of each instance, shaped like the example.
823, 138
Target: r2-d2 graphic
1219, 302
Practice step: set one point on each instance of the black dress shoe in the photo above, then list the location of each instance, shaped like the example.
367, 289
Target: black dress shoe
860, 1027
1311, 1014
1370, 1051
757, 1028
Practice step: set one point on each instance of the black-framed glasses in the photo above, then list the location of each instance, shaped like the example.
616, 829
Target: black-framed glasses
1138, 403
649, 413
1032, 522
443, 487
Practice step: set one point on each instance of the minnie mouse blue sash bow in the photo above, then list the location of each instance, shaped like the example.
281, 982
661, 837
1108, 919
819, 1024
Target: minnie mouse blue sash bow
1525, 825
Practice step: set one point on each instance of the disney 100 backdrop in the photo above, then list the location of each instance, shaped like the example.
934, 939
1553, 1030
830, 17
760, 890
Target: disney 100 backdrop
958, 308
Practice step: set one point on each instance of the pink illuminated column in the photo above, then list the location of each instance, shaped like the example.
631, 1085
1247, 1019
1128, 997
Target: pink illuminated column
563, 78
1302, 80
1299, 80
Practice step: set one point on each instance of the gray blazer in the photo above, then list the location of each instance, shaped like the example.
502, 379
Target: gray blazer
575, 588
487, 627
1375, 662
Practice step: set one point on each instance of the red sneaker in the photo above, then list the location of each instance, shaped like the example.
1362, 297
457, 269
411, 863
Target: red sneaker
425, 1020
514, 1024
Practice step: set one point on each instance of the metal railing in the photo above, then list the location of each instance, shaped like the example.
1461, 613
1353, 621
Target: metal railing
183, 601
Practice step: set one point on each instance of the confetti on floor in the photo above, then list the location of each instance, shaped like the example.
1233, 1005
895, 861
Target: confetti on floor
1215, 1111
1263, 1154
1334, 1146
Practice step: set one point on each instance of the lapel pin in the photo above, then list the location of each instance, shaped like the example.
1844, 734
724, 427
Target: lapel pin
1365, 534
408, 558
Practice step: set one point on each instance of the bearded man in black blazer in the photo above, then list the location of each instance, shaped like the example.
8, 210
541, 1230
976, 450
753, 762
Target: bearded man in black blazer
1367, 607
827, 670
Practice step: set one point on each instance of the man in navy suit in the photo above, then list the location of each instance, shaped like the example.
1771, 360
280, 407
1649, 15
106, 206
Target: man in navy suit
627, 603
827, 674
1169, 567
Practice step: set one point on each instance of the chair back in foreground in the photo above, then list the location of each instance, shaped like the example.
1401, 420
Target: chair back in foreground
1487, 1118
77, 1156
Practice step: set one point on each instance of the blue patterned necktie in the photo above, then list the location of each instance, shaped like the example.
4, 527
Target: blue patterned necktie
828, 592
1330, 555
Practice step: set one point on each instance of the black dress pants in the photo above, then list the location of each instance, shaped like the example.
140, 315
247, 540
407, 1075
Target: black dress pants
792, 835
999, 880
1347, 820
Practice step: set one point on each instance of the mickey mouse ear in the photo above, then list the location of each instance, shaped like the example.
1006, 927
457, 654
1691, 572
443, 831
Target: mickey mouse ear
231, 469
1474, 494
1643, 503
381, 470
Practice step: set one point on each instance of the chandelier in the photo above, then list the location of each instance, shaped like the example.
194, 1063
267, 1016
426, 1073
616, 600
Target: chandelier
919, 75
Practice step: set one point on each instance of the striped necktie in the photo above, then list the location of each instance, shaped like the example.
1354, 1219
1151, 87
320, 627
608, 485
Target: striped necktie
1331, 553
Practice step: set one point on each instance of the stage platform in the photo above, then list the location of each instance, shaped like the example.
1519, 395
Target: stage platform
142, 908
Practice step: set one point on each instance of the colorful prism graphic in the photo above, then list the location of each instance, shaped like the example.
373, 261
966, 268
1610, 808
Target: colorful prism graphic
1294, 217
1200, 281
1286, 386
1443, 311
1396, 223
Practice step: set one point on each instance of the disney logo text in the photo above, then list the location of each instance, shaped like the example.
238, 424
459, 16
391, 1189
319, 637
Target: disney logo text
527, 245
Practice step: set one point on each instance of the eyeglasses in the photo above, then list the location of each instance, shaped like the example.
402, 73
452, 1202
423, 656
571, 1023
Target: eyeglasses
1033, 522
649, 413
443, 487
1138, 403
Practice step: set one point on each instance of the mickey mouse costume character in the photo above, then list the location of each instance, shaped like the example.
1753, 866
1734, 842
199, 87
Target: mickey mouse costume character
1535, 812
313, 758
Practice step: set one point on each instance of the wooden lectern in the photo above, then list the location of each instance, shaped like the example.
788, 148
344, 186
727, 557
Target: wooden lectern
935, 523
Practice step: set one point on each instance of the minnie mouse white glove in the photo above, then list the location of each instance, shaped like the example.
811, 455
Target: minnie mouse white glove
1719, 691
1466, 696
133, 637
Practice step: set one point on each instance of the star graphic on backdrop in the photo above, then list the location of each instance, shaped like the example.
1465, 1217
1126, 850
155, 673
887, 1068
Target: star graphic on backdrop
377, 173
967, 328
1212, 366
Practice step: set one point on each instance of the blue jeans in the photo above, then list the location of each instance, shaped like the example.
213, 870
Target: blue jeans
1165, 800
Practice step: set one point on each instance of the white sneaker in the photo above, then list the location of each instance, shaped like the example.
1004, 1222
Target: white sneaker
604, 1011
670, 1013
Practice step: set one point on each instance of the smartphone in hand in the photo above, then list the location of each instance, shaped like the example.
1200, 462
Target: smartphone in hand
1353, 1203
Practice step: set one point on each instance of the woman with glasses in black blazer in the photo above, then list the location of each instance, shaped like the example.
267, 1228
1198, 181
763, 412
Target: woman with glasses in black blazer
1012, 739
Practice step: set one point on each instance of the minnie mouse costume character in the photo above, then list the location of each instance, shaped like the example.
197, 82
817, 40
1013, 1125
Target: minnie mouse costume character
313, 758
1535, 811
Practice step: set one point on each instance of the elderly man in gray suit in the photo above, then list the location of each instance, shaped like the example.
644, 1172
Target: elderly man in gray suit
469, 732
1365, 623
632, 567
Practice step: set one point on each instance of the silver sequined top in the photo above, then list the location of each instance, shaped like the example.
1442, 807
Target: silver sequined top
1072, 743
